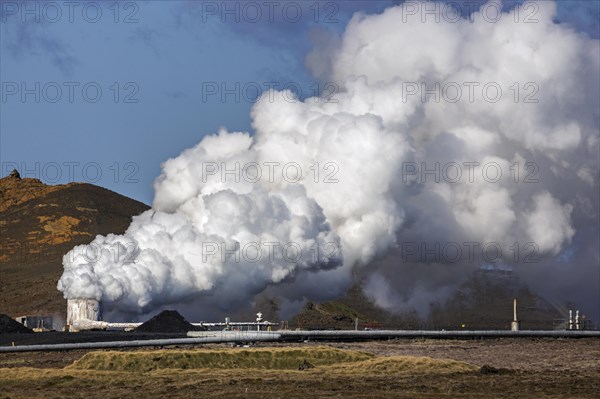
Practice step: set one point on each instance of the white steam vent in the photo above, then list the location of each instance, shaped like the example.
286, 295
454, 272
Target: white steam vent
83, 309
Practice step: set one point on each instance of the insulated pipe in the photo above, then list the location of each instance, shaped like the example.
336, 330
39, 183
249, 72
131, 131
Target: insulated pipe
373, 334
267, 336
235, 324
86, 324
239, 337
441, 334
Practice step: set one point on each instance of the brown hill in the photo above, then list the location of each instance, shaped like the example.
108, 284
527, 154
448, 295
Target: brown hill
40, 223
343, 312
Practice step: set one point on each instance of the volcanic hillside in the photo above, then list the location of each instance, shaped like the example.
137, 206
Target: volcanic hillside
483, 301
40, 223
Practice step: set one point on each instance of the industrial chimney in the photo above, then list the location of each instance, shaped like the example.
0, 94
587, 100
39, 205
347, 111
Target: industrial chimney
514, 325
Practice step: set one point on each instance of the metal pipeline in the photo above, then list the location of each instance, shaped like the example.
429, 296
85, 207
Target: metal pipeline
86, 324
214, 337
217, 339
374, 334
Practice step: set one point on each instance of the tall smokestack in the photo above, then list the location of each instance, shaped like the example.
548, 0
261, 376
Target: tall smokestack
514, 326
570, 319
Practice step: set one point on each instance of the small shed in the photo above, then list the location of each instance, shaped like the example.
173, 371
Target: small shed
37, 323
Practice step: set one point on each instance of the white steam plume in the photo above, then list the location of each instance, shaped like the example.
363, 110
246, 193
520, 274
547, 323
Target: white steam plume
367, 138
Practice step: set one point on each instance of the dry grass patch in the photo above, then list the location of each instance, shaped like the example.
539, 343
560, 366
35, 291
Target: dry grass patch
405, 365
242, 358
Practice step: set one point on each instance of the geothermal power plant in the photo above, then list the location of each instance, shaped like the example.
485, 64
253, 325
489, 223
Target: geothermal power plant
85, 314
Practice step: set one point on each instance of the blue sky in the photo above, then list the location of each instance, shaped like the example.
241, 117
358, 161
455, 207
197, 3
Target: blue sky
152, 62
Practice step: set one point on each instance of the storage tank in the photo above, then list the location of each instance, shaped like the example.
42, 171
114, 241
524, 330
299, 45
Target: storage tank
82, 309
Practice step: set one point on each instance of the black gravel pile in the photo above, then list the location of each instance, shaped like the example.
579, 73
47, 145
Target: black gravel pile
10, 326
168, 321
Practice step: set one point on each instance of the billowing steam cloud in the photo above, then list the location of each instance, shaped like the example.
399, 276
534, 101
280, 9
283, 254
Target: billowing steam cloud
428, 114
